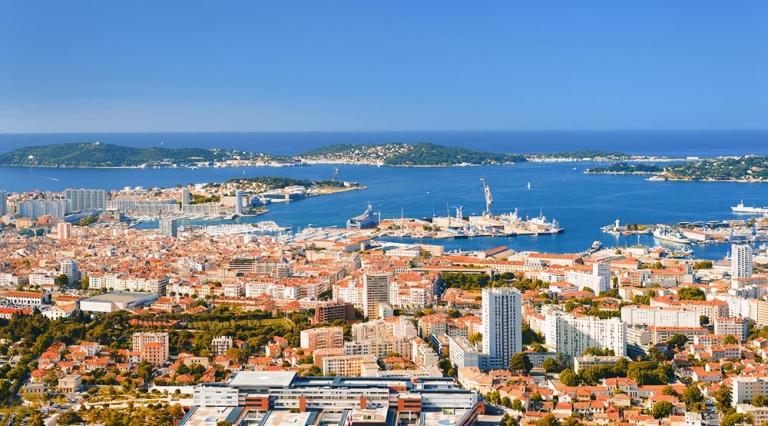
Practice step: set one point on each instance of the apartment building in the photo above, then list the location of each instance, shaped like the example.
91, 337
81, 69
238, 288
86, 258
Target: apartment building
322, 338
572, 335
152, 347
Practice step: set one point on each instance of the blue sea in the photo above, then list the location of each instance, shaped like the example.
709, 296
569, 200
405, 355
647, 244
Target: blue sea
582, 203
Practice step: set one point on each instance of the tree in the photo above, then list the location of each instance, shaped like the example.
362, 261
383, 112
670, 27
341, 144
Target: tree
691, 293
507, 420
61, 281
569, 378
530, 336
85, 282
550, 365
649, 373
69, 418
571, 421
662, 409
703, 320
731, 340
734, 419
517, 405
598, 351
656, 355
677, 341
723, 398
520, 363
759, 401
704, 264
548, 420
669, 390
641, 300
693, 398
475, 338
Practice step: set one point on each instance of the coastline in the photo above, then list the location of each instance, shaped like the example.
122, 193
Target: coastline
660, 177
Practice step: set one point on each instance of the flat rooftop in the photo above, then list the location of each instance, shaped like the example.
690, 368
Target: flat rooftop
263, 379
277, 418
119, 297
209, 416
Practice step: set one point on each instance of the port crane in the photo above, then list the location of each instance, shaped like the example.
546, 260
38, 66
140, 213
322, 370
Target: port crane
488, 197
335, 174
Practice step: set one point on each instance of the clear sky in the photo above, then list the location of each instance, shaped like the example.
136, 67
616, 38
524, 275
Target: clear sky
382, 65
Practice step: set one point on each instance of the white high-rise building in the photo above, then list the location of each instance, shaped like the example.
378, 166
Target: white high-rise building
69, 268
239, 202
169, 226
502, 325
572, 335
375, 292
741, 260
598, 280
3, 203
185, 196
63, 230
33, 209
84, 200
659, 316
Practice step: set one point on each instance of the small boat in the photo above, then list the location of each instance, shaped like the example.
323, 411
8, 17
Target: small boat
596, 245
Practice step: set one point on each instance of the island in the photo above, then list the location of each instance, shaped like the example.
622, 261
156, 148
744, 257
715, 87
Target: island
401, 154
722, 169
97, 154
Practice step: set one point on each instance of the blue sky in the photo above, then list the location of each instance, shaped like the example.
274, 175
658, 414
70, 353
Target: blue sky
382, 65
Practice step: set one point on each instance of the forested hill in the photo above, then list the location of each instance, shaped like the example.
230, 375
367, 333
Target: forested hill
397, 154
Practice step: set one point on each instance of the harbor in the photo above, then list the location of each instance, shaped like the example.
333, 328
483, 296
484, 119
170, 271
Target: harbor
459, 225
685, 233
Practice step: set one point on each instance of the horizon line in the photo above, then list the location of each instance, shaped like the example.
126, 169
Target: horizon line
382, 131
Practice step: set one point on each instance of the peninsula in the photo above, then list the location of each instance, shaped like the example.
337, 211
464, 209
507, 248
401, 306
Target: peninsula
97, 154
722, 169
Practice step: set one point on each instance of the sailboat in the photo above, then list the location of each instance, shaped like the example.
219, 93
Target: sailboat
529, 186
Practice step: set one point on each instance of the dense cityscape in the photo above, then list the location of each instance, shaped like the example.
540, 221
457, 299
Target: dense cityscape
252, 323
383, 213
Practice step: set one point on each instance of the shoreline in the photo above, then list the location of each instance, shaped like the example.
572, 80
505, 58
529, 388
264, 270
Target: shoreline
657, 177
537, 160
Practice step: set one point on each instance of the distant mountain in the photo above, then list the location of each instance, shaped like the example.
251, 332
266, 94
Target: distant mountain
398, 154
98, 154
